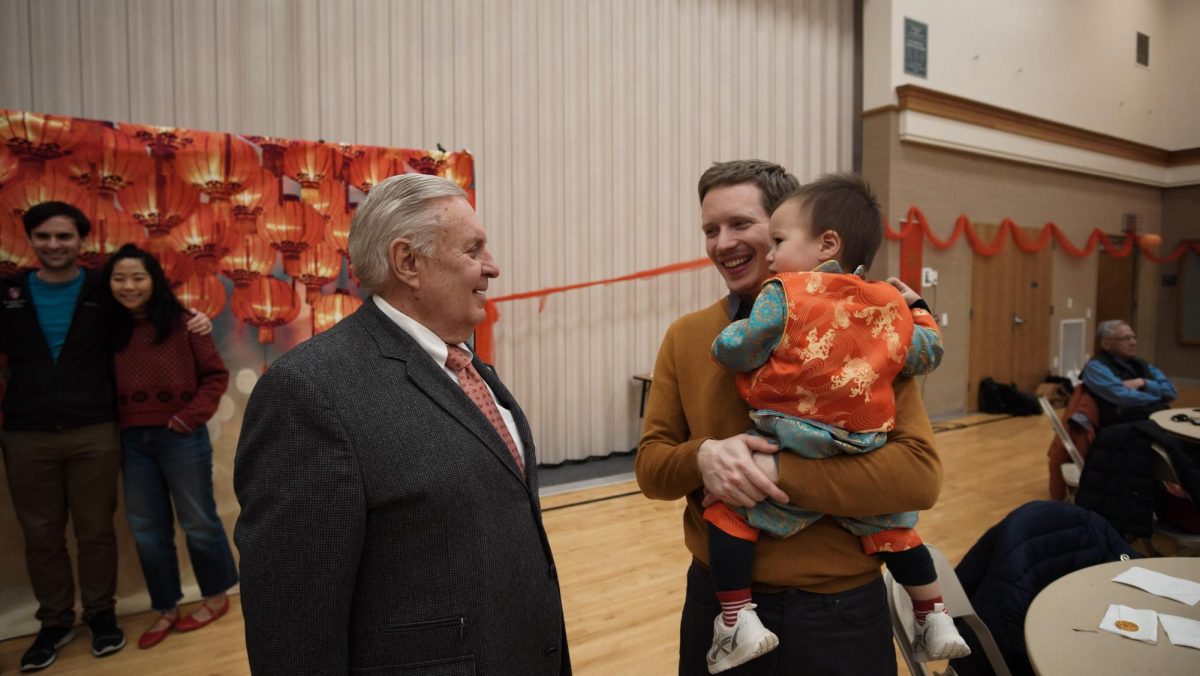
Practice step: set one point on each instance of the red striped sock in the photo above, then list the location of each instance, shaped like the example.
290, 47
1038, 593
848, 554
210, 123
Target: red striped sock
733, 601
922, 608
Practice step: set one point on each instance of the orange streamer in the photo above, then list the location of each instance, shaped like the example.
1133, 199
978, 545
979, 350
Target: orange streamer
962, 226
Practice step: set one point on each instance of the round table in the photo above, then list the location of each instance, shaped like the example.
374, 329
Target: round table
1079, 600
1183, 429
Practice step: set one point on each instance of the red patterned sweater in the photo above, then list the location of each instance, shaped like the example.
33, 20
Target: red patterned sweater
182, 378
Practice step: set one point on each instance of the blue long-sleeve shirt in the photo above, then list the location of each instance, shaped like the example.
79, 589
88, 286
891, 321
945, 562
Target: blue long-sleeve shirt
1102, 382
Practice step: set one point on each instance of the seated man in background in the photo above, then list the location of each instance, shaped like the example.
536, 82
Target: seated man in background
1126, 388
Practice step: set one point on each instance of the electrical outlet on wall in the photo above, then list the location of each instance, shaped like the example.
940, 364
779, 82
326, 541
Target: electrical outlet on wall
929, 277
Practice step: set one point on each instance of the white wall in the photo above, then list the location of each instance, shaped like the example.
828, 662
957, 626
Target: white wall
1070, 61
591, 122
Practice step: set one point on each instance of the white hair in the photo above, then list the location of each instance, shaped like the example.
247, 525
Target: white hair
398, 207
1106, 328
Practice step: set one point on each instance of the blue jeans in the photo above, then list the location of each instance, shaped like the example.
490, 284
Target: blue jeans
160, 467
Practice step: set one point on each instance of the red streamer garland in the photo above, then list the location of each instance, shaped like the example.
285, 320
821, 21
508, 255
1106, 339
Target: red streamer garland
485, 334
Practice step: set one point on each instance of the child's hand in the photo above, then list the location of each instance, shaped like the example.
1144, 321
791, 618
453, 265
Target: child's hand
909, 295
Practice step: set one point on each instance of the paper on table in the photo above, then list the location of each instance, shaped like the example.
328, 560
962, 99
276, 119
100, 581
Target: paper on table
1134, 623
1181, 630
1179, 589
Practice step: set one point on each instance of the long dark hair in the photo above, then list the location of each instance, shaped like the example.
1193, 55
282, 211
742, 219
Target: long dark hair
163, 310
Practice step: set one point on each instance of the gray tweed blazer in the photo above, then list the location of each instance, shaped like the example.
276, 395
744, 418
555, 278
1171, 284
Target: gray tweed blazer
385, 528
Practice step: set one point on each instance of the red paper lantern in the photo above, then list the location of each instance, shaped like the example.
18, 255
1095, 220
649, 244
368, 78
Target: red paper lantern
9, 166
16, 253
162, 142
30, 191
178, 267
111, 229
273, 149
309, 164
252, 258
206, 236
204, 293
317, 266
329, 310
261, 190
108, 159
371, 167
218, 165
160, 205
337, 232
266, 302
292, 227
36, 138
460, 168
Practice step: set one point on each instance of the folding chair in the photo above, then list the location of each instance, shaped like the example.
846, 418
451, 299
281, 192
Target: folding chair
957, 604
1164, 470
1073, 470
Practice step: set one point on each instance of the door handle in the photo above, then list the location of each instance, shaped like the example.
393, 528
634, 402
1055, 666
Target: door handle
1017, 320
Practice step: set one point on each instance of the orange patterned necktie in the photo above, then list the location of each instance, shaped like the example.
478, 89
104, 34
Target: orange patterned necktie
459, 361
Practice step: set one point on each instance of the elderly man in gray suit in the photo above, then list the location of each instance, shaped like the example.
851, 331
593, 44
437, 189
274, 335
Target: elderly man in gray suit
390, 521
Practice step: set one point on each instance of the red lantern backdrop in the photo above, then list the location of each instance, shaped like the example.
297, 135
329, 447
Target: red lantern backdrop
292, 227
204, 293
310, 164
319, 265
176, 266
331, 309
49, 186
108, 160
35, 138
266, 302
218, 165
160, 204
9, 166
15, 252
261, 190
371, 167
208, 205
111, 229
253, 257
206, 236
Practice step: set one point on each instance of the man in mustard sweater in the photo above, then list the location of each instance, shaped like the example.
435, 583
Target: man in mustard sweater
817, 590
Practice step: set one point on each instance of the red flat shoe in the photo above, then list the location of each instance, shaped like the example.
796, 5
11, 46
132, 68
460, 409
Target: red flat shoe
151, 638
190, 623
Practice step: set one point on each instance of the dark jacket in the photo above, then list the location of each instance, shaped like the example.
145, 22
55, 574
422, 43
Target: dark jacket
1034, 545
1119, 481
77, 390
385, 528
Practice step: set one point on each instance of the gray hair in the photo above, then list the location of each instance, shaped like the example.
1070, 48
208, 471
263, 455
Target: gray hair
398, 207
1106, 328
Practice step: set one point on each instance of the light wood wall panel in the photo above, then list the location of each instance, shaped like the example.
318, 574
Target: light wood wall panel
590, 122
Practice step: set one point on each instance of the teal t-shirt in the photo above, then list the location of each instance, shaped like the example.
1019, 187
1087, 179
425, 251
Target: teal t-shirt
55, 305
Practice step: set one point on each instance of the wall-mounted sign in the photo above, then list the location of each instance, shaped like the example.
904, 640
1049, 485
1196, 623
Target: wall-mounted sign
916, 47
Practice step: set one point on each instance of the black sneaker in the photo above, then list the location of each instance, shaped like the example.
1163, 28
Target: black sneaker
45, 647
107, 637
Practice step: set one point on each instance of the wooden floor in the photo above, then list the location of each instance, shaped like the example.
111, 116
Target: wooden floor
621, 562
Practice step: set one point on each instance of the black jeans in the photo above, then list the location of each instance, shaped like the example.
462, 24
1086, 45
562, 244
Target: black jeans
848, 633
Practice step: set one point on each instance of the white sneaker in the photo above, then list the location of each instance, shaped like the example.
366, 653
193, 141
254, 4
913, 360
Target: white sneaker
740, 643
938, 638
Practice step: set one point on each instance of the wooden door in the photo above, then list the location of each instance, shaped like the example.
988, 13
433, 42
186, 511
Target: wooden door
1116, 286
1010, 316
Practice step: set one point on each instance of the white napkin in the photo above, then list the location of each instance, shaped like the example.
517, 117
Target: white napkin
1134, 623
1178, 589
1181, 630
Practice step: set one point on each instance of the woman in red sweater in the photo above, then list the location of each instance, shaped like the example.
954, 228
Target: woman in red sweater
169, 382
